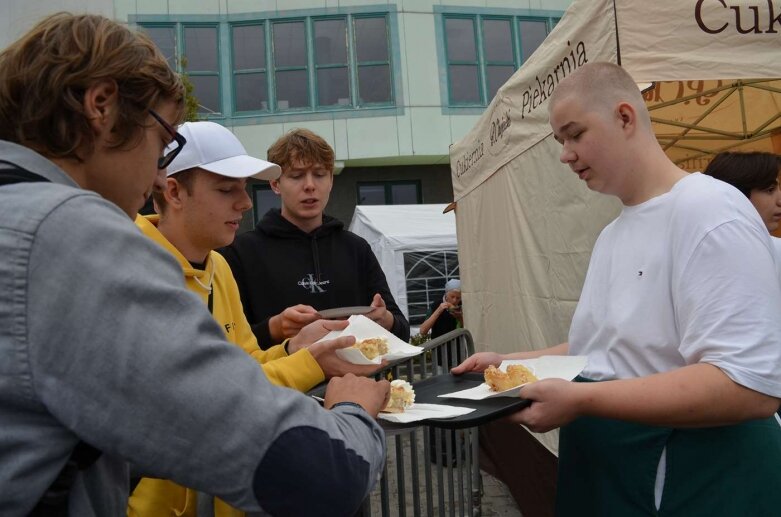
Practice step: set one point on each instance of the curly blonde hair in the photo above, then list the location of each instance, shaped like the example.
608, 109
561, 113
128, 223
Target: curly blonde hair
45, 74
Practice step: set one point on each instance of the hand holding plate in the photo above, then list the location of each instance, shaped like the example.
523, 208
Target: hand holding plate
555, 402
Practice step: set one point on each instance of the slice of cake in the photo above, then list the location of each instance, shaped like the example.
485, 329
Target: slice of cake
372, 347
515, 375
401, 396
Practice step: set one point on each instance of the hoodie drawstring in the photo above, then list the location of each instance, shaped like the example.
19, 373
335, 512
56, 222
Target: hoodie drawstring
209, 288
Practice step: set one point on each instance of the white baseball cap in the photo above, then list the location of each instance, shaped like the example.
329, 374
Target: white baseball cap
216, 149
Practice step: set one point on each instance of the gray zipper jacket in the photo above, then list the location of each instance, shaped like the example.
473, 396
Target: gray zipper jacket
100, 341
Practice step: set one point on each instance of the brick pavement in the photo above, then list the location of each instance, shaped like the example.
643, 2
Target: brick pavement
497, 501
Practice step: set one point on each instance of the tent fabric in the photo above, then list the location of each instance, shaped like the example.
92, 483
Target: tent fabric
526, 224
393, 230
674, 40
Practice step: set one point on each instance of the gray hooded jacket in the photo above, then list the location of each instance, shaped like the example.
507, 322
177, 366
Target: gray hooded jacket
101, 342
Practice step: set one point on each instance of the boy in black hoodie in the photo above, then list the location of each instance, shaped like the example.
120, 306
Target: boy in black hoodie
298, 261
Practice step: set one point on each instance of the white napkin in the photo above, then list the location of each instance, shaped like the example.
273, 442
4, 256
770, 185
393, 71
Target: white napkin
423, 411
565, 367
363, 328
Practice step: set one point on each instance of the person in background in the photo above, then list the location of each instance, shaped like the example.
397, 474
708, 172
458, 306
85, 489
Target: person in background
755, 174
304, 257
200, 210
106, 359
678, 321
446, 315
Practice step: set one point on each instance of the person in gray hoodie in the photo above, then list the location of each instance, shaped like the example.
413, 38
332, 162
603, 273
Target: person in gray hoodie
102, 348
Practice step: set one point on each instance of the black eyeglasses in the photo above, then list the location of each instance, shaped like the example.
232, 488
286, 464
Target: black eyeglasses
174, 147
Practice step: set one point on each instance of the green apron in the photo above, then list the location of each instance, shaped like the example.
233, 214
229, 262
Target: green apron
608, 468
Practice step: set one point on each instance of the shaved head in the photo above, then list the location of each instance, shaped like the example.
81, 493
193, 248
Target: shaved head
601, 86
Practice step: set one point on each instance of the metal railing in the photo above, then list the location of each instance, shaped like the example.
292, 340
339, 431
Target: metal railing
429, 471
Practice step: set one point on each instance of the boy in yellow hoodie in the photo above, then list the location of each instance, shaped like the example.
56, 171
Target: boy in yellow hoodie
200, 211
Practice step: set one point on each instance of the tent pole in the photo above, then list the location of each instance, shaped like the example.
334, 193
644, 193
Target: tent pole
618, 42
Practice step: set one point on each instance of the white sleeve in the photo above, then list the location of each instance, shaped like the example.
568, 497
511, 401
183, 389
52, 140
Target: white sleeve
728, 306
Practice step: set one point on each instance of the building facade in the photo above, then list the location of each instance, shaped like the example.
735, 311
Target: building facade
390, 85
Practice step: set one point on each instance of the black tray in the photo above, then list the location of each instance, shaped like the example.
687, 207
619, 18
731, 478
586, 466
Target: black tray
486, 410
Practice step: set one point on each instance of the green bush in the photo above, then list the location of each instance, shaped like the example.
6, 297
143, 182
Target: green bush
419, 339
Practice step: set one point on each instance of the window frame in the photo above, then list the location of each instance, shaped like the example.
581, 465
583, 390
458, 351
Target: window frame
273, 100
388, 184
481, 60
182, 51
313, 80
478, 62
356, 65
227, 76
179, 52
418, 311
249, 71
255, 187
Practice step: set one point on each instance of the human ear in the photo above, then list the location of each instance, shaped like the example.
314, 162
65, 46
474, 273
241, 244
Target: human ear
274, 186
100, 105
627, 115
173, 193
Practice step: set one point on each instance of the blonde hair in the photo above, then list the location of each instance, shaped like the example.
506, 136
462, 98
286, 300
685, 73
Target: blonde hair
301, 144
44, 75
602, 85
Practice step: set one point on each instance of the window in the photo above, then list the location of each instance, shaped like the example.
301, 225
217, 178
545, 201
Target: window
263, 200
389, 193
533, 33
291, 70
202, 66
193, 49
372, 60
426, 273
463, 65
331, 63
165, 39
347, 63
250, 91
483, 51
498, 50
283, 65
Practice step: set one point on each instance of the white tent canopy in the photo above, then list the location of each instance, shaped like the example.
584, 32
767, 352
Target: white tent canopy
423, 234
526, 224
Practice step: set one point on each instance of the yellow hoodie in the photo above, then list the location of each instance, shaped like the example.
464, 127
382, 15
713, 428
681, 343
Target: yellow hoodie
300, 371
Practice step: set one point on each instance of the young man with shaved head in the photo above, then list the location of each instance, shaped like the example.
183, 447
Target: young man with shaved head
674, 413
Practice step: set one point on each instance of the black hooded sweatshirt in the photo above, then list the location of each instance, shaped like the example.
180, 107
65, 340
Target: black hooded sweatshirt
277, 265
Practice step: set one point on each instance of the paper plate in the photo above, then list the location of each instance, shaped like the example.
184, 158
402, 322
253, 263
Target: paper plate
565, 367
362, 327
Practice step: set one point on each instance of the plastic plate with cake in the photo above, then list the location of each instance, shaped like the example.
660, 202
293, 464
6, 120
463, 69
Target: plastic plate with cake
373, 343
504, 380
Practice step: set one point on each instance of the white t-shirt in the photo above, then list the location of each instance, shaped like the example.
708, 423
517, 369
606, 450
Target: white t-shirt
777, 247
683, 279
